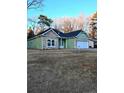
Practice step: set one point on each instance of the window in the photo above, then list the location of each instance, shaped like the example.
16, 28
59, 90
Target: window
53, 43
49, 42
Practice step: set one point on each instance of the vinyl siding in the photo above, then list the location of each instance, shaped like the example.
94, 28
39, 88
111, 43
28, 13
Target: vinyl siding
70, 43
35, 43
50, 38
82, 37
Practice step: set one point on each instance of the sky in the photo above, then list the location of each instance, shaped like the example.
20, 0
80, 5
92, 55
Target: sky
61, 8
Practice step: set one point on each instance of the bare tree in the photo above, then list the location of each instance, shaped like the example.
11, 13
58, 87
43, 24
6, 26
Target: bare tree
68, 24
34, 4
35, 26
32, 21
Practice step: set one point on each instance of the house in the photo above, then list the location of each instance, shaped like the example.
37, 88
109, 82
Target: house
53, 38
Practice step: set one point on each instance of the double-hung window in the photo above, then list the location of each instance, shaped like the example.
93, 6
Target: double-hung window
50, 43
53, 42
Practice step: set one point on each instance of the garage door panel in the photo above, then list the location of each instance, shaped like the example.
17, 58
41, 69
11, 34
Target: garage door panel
82, 44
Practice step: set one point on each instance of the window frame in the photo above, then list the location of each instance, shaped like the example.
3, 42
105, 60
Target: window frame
53, 42
50, 41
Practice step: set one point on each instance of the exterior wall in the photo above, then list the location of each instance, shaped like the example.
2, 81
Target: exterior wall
35, 43
82, 37
41, 42
62, 43
51, 35
70, 42
30, 43
45, 43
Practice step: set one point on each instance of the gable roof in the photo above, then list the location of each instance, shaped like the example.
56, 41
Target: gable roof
61, 34
44, 31
72, 34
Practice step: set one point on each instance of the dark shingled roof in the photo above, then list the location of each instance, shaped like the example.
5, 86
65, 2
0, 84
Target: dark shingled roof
43, 31
61, 34
72, 34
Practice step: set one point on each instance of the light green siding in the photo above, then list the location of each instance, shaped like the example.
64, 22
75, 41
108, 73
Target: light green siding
64, 43
40, 42
30, 43
70, 43
82, 37
35, 43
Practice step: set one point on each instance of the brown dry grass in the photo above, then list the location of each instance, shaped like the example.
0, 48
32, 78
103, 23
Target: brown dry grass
62, 71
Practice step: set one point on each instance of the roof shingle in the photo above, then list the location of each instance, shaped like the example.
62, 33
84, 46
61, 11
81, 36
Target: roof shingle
61, 34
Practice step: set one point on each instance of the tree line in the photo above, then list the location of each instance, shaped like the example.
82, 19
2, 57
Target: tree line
65, 24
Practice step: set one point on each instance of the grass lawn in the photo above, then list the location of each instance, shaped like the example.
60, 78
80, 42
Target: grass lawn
62, 71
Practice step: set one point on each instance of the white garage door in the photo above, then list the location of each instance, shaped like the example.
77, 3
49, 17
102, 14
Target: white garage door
82, 44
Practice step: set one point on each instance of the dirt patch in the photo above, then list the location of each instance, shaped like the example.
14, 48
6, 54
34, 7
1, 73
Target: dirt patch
62, 71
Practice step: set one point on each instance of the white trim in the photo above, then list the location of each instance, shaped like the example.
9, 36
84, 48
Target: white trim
61, 43
83, 32
77, 35
52, 31
51, 43
55, 32
75, 45
66, 43
42, 41
34, 37
46, 32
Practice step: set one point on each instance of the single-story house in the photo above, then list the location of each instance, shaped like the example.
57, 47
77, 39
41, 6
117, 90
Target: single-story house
53, 38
